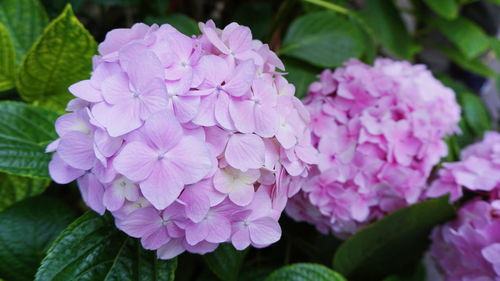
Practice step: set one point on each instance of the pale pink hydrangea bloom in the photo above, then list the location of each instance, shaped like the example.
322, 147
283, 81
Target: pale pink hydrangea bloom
478, 171
468, 248
185, 140
379, 132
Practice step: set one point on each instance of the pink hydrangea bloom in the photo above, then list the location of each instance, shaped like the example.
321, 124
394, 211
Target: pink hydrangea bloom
468, 248
478, 170
185, 140
379, 131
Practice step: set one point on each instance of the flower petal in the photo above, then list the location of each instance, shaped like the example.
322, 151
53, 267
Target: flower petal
245, 151
85, 91
163, 186
135, 161
76, 149
264, 231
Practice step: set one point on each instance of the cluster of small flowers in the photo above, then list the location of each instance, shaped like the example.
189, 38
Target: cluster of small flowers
468, 248
379, 131
188, 141
478, 171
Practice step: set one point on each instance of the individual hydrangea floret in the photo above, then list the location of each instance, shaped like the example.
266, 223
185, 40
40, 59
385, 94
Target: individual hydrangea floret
478, 171
379, 131
187, 141
468, 248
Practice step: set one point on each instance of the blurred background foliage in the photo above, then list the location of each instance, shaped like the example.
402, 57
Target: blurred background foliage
46, 45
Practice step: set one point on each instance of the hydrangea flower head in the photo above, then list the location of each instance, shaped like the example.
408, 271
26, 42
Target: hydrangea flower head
468, 248
378, 130
187, 141
478, 171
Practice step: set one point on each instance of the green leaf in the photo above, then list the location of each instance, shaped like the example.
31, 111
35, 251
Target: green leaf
369, 37
475, 113
324, 39
385, 22
395, 243
495, 46
182, 22
26, 231
225, 262
473, 65
61, 57
305, 272
467, 36
24, 20
15, 188
301, 75
448, 9
91, 248
25, 131
7, 60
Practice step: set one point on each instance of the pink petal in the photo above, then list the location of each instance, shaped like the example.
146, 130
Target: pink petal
264, 231
51, 147
116, 38
201, 248
185, 107
217, 138
266, 121
156, 239
181, 45
144, 67
116, 88
219, 229
85, 91
76, 149
214, 38
197, 232
242, 113
163, 186
107, 145
163, 130
141, 222
113, 199
135, 161
206, 111
92, 192
192, 159
61, 172
223, 181
173, 248
241, 239
197, 203
71, 122
240, 39
208, 65
222, 111
245, 151
242, 194
286, 136
153, 99
492, 254
240, 81
119, 119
